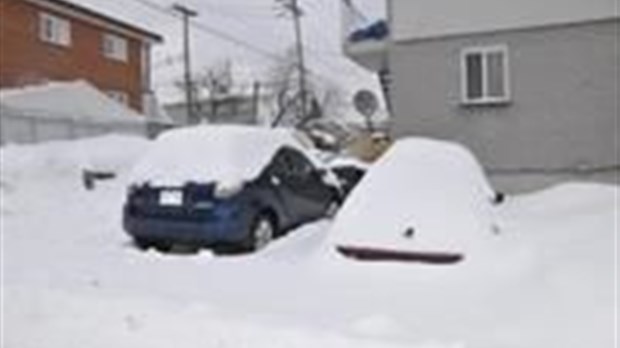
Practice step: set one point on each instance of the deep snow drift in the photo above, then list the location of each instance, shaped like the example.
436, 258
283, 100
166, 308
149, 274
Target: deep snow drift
70, 278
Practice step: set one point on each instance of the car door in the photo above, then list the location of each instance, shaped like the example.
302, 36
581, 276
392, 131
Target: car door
281, 179
312, 194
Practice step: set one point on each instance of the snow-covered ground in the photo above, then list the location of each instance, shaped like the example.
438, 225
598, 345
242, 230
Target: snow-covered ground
70, 278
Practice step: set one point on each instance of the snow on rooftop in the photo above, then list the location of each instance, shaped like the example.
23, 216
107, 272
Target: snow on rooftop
75, 99
447, 201
204, 153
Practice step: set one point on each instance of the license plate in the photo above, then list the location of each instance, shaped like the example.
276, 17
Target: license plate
171, 198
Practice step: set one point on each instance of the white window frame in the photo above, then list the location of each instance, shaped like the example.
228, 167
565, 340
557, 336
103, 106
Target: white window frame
484, 52
115, 47
59, 32
118, 96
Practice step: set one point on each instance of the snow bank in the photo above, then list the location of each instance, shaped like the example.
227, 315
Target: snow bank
432, 191
225, 154
65, 159
70, 280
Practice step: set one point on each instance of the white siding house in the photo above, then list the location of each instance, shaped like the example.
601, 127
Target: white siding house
530, 86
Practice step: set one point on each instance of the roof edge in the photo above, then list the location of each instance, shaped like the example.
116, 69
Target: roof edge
97, 18
451, 35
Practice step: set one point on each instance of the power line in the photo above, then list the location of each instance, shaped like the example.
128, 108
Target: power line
213, 31
158, 8
227, 37
237, 41
234, 14
201, 27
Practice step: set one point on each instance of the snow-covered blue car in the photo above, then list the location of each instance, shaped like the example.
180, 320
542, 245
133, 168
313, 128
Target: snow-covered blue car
226, 187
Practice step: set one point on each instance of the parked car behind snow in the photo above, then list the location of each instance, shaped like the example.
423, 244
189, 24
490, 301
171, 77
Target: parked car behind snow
225, 186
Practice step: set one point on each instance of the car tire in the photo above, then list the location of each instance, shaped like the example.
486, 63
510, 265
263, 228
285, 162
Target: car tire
163, 247
262, 231
142, 244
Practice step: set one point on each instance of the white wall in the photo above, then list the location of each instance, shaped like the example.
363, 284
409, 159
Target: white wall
415, 19
563, 115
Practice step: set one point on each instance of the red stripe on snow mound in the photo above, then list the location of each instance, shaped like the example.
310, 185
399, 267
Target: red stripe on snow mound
378, 254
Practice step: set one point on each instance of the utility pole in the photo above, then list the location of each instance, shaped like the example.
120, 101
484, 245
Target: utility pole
293, 7
187, 13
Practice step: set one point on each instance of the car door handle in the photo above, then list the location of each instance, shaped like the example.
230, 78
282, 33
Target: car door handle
275, 181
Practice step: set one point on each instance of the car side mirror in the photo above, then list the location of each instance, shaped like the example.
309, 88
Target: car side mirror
320, 173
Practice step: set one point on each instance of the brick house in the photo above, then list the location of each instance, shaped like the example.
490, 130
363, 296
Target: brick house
45, 40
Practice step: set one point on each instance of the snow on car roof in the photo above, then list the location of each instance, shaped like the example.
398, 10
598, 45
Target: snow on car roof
422, 195
204, 153
348, 161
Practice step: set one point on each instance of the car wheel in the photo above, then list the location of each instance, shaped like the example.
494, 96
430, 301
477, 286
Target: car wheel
262, 231
163, 247
142, 244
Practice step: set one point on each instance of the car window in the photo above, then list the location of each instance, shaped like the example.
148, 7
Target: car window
281, 164
299, 164
291, 163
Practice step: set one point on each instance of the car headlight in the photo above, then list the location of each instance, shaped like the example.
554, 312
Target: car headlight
227, 190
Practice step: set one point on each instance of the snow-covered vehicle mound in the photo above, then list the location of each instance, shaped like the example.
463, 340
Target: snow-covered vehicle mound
425, 199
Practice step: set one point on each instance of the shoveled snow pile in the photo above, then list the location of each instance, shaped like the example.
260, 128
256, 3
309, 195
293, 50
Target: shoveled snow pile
225, 154
423, 195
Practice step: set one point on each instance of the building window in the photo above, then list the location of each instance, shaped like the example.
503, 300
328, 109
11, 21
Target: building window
119, 96
115, 47
54, 29
484, 75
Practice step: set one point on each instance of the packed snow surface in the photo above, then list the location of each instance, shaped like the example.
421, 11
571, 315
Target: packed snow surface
423, 195
225, 154
71, 279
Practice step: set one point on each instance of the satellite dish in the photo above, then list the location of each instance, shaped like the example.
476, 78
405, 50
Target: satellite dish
366, 102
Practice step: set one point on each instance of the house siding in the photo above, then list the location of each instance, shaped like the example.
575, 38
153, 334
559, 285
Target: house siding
563, 114
25, 59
